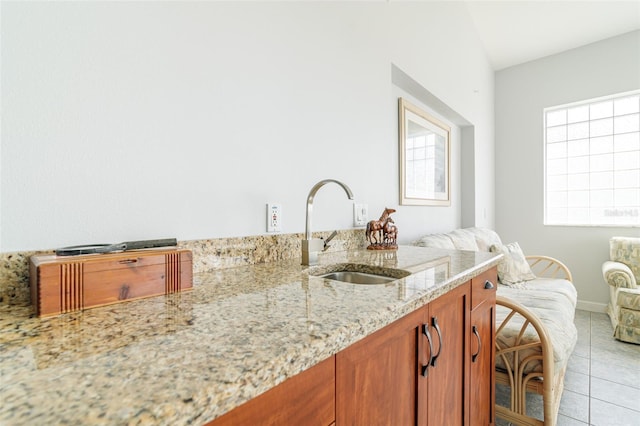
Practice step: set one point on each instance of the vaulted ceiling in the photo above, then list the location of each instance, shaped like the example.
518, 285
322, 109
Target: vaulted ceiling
514, 32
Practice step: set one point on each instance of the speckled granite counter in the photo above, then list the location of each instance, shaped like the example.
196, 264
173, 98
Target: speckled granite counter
188, 358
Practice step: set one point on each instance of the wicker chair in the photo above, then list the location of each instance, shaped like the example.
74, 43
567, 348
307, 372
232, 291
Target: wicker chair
525, 359
535, 333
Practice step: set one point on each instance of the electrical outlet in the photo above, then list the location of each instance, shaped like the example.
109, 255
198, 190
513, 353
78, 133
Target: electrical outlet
360, 214
274, 217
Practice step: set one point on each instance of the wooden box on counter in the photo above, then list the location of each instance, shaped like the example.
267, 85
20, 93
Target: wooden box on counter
62, 284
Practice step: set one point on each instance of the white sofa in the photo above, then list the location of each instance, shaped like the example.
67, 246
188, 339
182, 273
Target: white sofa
535, 331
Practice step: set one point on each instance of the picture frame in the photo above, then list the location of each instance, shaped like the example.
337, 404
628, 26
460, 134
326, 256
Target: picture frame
424, 154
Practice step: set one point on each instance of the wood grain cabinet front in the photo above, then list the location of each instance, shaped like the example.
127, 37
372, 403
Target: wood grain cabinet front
481, 355
449, 322
433, 367
378, 378
305, 399
411, 372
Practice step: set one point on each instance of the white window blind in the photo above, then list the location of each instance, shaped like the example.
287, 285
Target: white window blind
592, 162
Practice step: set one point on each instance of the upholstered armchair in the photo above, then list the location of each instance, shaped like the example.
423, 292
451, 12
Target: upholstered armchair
622, 273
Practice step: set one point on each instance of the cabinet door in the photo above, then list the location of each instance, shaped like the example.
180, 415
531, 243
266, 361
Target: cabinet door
481, 382
305, 399
377, 377
481, 356
448, 320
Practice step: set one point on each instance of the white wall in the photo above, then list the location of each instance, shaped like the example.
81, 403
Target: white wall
126, 120
604, 68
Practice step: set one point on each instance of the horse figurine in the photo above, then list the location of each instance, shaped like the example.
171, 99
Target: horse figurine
390, 234
374, 227
376, 234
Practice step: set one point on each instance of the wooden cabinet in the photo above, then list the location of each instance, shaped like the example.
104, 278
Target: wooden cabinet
481, 356
377, 378
449, 322
433, 367
305, 399
411, 372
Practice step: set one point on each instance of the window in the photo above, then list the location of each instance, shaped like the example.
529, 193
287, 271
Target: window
592, 162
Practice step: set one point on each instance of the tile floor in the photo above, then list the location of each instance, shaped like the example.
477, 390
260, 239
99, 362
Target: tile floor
602, 384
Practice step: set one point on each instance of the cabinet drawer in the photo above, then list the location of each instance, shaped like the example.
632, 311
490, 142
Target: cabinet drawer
484, 287
62, 284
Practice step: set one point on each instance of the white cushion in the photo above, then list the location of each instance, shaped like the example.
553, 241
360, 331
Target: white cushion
554, 285
441, 241
513, 268
555, 314
463, 240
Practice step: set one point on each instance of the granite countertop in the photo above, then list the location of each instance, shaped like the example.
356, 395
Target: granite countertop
189, 357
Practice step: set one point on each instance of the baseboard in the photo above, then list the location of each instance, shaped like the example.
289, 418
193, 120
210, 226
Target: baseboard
584, 305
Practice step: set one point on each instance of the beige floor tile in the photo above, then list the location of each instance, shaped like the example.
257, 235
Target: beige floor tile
576, 382
575, 405
615, 370
578, 364
568, 421
605, 414
615, 393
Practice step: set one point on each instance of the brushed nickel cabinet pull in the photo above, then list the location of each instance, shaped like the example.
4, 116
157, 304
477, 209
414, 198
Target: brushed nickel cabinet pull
425, 331
125, 261
475, 332
434, 322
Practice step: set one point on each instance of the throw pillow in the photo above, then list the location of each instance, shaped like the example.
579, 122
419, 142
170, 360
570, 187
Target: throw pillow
513, 268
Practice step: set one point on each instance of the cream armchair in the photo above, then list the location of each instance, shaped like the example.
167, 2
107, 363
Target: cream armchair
622, 273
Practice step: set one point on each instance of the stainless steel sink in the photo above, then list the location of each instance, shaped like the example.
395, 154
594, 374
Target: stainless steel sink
358, 277
354, 273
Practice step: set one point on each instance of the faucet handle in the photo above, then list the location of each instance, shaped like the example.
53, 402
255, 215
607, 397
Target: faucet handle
329, 238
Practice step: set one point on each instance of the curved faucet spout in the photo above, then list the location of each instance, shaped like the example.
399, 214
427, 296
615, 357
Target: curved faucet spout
312, 193
311, 247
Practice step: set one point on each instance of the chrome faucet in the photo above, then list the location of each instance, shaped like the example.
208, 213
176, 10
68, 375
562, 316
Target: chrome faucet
312, 246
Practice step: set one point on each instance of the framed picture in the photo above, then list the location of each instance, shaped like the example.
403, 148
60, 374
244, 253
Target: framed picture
424, 143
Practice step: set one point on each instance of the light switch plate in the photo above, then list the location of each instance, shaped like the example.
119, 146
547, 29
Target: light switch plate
274, 217
360, 214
